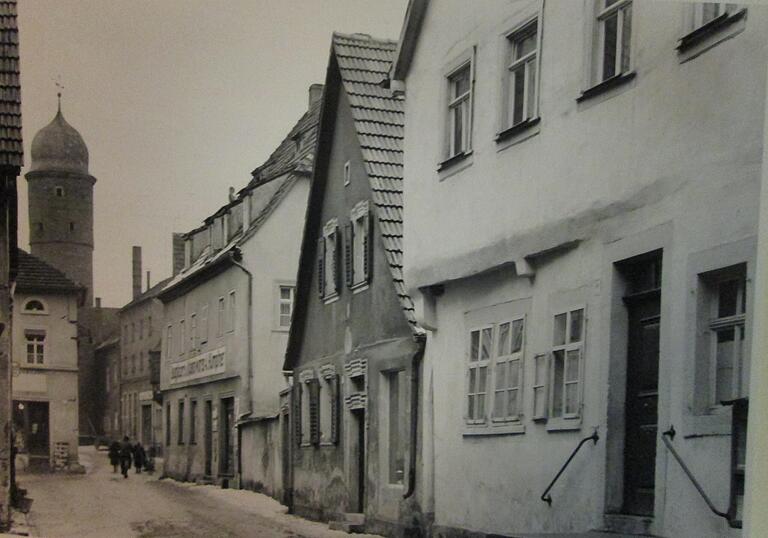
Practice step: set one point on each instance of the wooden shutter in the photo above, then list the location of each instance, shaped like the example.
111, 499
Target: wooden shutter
296, 412
335, 408
337, 259
321, 267
314, 411
368, 248
349, 249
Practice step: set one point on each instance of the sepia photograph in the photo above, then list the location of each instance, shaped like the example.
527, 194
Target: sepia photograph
385, 268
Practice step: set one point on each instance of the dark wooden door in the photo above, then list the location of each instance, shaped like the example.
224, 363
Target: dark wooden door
228, 436
146, 425
360, 420
38, 441
641, 406
208, 428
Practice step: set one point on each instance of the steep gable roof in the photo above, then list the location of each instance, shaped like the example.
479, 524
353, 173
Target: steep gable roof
37, 276
11, 150
360, 64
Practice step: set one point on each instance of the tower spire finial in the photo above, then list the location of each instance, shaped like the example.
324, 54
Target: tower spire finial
60, 86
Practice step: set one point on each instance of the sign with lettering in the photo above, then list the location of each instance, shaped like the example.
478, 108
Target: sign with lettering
203, 365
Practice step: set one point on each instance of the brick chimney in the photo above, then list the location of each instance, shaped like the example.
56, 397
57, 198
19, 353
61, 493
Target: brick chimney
148, 282
136, 271
178, 253
315, 93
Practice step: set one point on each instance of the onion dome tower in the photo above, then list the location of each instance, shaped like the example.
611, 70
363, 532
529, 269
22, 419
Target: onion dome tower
61, 202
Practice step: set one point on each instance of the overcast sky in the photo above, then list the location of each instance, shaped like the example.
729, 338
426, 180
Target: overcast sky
176, 100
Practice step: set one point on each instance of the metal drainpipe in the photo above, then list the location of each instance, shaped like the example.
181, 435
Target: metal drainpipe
421, 342
236, 256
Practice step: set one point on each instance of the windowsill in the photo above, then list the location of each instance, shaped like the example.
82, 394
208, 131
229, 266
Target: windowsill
563, 424
305, 445
606, 85
494, 428
328, 299
281, 329
710, 34
359, 287
34, 313
450, 162
518, 132
327, 444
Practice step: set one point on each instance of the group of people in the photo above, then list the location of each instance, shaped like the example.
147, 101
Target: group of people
124, 454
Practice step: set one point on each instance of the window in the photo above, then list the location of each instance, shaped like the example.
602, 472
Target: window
141, 329
358, 246
169, 342
614, 33
397, 430
520, 81
34, 306
71, 226
35, 340
168, 424
180, 438
329, 405
141, 361
726, 327
133, 332
193, 422
706, 12
149, 326
193, 332
231, 312
328, 261
285, 304
182, 337
508, 372
540, 376
220, 329
347, 173
59, 191
459, 110
133, 364
481, 341
204, 324
567, 351
39, 227
310, 411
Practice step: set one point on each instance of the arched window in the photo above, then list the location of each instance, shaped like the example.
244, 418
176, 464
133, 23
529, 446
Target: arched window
35, 306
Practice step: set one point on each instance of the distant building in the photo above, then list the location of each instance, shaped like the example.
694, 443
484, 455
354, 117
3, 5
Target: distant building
141, 327
227, 315
581, 203
61, 234
108, 367
45, 403
355, 348
11, 160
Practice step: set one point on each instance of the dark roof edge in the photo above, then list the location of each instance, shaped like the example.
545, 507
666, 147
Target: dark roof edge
197, 277
151, 293
409, 37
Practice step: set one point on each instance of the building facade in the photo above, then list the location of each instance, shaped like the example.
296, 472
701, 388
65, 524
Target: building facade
354, 344
227, 315
11, 160
581, 193
45, 401
109, 367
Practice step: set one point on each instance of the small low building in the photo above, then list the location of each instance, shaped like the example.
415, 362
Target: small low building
45, 383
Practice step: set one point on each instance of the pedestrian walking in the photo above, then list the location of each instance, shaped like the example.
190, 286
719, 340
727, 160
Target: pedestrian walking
126, 454
114, 455
139, 457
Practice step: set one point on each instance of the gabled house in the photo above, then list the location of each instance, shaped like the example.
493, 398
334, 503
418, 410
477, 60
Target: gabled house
581, 207
354, 348
226, 319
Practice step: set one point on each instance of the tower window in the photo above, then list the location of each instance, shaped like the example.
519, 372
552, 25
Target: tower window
71, 226
39, 226
59, 190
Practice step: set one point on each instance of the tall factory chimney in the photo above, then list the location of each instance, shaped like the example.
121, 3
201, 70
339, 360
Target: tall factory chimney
136, 271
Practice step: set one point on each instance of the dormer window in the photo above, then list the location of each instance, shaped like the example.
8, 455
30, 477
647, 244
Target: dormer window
35, 306
59, 191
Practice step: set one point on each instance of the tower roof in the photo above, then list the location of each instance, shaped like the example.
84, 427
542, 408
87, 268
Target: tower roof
59, 147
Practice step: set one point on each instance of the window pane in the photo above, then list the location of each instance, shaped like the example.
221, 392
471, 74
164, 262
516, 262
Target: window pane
485, 350
285, 308
539, 369
517, 335
481, 379
557, 383
501, 375
499, 408
504, 339
572, 365
472, 380
474, 346
609, 45
519, 94
626, 36
538, 401
531, 65
577, 322
725, 364
461, 82
457, 130
571, 397
709, 11
728, 292
480, 406
471, 406
285, 293
512, 403
560, 321
525, 44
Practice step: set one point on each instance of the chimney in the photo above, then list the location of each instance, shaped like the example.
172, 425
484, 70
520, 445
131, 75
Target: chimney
315, 93
98, 302
148, 286
177, 253
136, 271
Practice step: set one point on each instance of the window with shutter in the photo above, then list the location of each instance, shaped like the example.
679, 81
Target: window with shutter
329, 263
361, 244
321, 267
297, 418
349, 254
368, 248
336, 260
335, 409
314, 411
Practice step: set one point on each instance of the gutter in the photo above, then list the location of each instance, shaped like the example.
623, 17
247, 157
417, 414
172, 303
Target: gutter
235, 255
421, 342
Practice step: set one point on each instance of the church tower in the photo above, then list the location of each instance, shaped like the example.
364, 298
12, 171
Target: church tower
61, 202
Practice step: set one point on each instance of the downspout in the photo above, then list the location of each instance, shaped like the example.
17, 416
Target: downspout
235, 256
421, 342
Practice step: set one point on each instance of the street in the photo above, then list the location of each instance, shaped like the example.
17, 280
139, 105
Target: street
102, 504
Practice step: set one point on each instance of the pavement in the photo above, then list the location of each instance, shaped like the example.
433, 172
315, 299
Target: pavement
101, 504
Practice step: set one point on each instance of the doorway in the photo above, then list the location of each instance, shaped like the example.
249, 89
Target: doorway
146, 425
208, 428
643, 305
358, 456
227, 465
32, 425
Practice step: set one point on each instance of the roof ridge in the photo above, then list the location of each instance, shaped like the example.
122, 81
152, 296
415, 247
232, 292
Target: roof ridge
364, 38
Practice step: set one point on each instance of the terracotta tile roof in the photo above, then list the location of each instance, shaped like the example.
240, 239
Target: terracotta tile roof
364, 63
35, 275
11, 150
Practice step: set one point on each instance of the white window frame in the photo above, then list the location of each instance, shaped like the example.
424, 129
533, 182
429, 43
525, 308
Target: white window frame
42, 312
280, 301
457, 101
331, 261
361, 231
507, 359
193, 342
231, 311
203, 324
697, 12
565, 348
37, 340
472, 414
221, 315
604, 12
540, 385
530, 61
169, 342
347, 174
182, 337
59, 191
